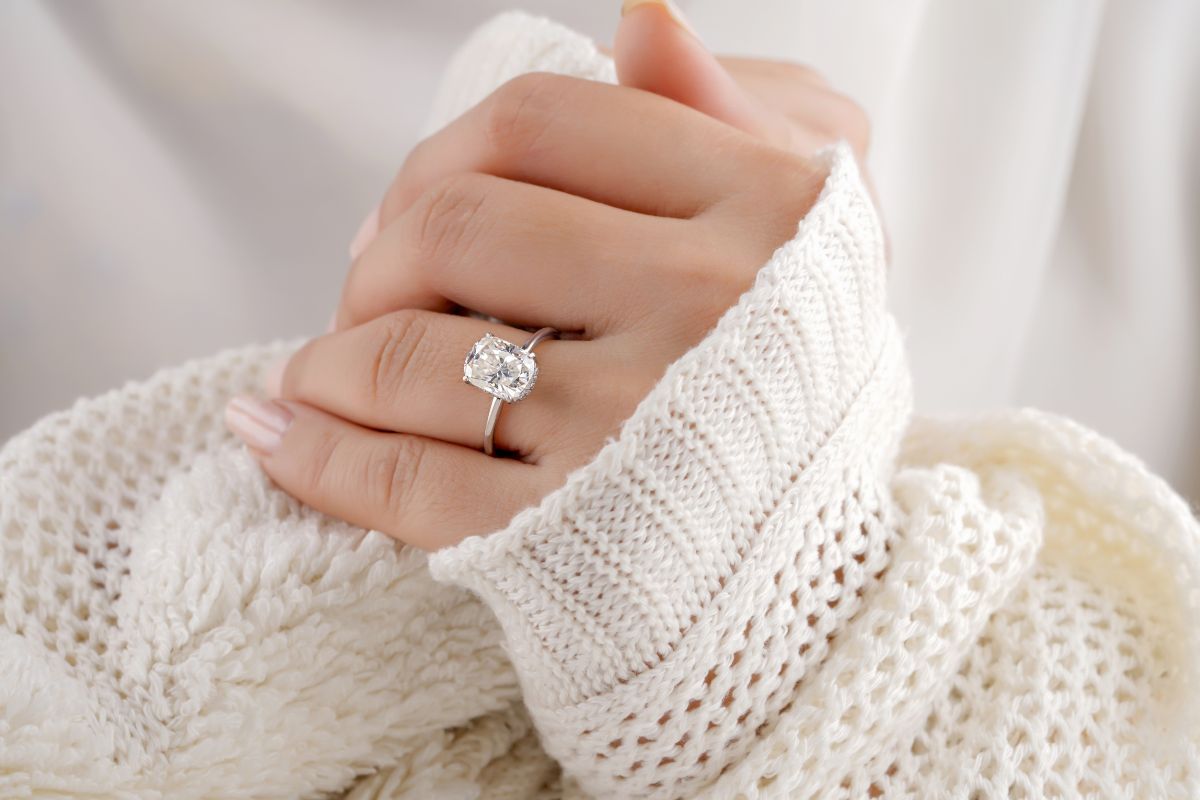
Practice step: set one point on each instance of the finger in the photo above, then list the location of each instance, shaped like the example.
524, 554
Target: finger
751, 73
522, 253
426, 493
655, 50
404, 372
821, 115
755, 74
632, 150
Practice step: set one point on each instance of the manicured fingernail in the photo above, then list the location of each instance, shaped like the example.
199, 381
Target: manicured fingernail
366, 233
261, 424
666, 5
273, 378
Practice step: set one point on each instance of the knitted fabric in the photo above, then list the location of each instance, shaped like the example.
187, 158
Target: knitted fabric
771, 583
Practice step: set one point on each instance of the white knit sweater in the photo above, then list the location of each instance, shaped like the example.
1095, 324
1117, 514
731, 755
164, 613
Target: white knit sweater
772, 583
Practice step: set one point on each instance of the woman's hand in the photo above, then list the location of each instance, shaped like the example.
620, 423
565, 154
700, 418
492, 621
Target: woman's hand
625, 219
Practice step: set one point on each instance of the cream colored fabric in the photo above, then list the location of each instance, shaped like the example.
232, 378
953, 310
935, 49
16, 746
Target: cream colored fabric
186, 164
770, 584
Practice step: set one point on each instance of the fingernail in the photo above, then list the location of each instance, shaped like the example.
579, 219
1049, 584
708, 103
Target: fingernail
261, 424
273, 378
332, 326
366, 233
666, 5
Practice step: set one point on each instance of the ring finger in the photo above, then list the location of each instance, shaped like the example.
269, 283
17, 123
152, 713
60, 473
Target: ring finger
421, 491
403, 372
522, 253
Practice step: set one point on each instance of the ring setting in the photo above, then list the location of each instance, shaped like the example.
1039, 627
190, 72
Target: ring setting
504, 370
501, 368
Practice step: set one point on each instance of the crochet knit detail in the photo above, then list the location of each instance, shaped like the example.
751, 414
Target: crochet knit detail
770, 584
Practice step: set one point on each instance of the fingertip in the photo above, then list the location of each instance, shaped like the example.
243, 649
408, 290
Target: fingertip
655, 50
366, 233
667, 6
260, 424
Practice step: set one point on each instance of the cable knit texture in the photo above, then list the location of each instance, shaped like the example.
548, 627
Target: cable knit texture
772, 583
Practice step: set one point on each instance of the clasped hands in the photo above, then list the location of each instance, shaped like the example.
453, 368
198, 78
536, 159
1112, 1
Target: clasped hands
629, 217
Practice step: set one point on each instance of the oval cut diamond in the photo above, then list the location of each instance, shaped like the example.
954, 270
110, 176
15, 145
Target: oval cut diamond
500, 368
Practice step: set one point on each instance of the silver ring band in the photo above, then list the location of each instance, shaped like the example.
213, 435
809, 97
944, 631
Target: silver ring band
509, 383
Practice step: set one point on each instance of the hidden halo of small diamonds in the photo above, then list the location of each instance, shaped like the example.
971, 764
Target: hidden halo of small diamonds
502, 369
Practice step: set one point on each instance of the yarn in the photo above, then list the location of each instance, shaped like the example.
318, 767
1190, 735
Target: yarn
774, 582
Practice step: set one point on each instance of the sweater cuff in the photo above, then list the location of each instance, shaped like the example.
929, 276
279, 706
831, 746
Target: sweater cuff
600, 581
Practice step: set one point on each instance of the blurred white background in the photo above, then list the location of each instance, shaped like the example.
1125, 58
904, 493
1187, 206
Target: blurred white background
176, 178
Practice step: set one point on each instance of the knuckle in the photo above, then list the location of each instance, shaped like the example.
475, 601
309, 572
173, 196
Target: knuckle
445, 219
402, 334
713, 277
791, 176
724, 283
520, 112
390, 473
720, 281
320, 476
795, 197
788, 182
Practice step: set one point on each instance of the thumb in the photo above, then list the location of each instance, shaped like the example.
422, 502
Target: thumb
655, 49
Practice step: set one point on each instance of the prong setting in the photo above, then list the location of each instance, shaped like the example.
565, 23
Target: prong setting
504, 370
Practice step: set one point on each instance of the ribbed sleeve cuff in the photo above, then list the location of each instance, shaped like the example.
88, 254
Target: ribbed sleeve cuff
600, 581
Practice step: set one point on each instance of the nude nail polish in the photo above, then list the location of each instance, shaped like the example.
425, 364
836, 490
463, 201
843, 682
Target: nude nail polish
668, 6
261, 424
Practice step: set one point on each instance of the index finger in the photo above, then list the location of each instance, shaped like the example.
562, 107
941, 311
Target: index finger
620, 146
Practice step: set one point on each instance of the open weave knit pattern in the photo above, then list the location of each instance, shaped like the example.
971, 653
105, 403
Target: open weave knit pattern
772, 583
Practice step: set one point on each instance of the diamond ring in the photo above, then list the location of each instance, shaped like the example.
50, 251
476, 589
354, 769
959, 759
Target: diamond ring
503, 370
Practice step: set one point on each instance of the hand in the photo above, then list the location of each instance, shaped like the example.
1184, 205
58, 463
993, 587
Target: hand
621, 217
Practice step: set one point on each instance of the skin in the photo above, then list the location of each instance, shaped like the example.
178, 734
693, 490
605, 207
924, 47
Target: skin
630, 217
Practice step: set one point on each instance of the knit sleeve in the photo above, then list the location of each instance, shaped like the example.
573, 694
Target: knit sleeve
662, 607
